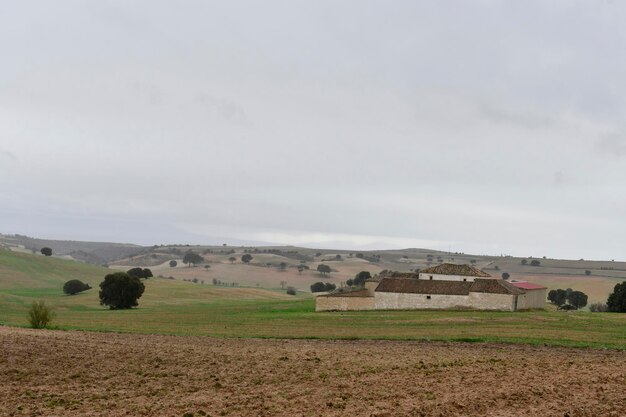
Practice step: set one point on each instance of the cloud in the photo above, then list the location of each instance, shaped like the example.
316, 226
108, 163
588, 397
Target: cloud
612, 144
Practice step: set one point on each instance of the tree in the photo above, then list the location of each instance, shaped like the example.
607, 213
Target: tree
349, 282
46, 251
147, 273
192, 258
120, 290
506, 275
232, 259
291, 291
282, 266
173, 264
587, 272
39, 315
329, 286
535, 262
75, 286
524, 261
318, 287
323, 269
617, 299
557, 297
578, 299
359, 279
246, 258
206, 267
140, 273
300, 269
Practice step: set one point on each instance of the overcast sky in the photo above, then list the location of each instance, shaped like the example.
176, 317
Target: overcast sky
478, 126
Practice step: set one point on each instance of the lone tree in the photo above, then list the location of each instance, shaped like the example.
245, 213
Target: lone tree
617, 299
323, 269
506, 275
246, 258
578, 299
173, 264
192, 258
359, 279
535, 262
140, 273
46, 251
119, 290
206, 267
74, 286
232, 259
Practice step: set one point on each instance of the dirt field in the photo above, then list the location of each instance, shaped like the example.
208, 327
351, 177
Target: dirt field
54, 373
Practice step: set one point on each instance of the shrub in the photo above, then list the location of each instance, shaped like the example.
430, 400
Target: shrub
173, 264
120, 290
46, 251
598, 307
246, 258
506, 275
75, 286
587, 272
291, 291
535, 262
617, 299
359, 279
39, 315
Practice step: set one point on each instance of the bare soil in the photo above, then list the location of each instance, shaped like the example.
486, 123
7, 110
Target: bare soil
57, 373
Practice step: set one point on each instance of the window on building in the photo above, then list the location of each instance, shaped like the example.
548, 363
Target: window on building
431, 277
464, 279
428, 297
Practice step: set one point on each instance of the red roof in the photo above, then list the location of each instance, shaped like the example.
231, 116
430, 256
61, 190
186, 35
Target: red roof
527, 285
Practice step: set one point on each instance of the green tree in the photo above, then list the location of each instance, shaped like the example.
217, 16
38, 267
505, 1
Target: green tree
360, 278
535, 262
39, 315
46, 251
318, 287
120, 290
557, 297
506, 275
323, 269
75, 286
524, 261
246, 258
617, 299
173, 264
192, 258
232, 259
282, 266
578, 299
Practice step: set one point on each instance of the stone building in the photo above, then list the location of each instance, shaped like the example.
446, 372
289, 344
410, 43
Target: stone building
445, 286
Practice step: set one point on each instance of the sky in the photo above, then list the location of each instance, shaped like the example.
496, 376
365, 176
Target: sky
485, 127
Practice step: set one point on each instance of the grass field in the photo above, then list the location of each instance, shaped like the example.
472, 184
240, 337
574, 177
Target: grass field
182, 308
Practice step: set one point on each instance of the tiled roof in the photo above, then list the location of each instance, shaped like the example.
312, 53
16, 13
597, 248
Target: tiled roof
495, 286
453, 269
421, 286
527, 285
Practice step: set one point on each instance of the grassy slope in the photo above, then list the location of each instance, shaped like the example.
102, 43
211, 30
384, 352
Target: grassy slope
182, 308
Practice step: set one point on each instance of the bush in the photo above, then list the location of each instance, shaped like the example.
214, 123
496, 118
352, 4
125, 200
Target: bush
599, 308
46, 251
617, 299
535, 262
587, 272
173, 264
246, 258
291, 291
506, 275
120, 290
75, 286
140, 273
359, 279
39, 315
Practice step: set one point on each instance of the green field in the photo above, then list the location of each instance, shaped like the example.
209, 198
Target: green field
182, 308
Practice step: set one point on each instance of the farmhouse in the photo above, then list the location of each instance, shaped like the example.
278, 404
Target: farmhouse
445, 286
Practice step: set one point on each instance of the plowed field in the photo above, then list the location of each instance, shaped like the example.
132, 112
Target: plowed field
64, 373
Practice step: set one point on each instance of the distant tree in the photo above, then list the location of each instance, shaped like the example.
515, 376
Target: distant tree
338, 257
206, 267
192, 258
291, 291
318, 287
360, 255
318, 254
232, 259
246, 258
350, 282
39, 315
473, 261
135, 272
359, 279
557, 297
587, 272
329, 286
300, 269
173, 264
578, 299
497, 268
46, 251
214, 281
75, 286
323, 269
147, 273
282, 266
506, 275
524, 261
617, 299
535, 262
195, 280
119, 290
